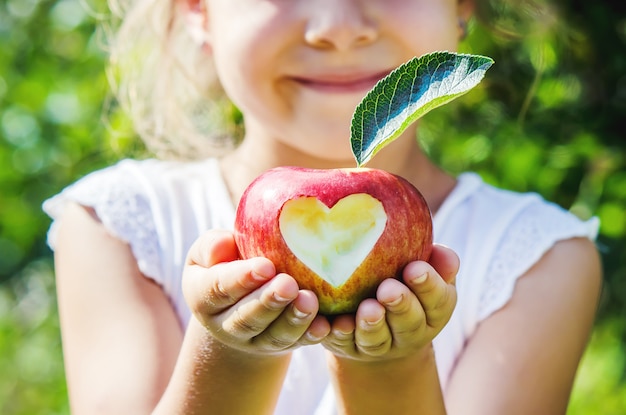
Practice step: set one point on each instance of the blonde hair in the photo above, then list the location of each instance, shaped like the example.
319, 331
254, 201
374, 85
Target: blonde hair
166, 83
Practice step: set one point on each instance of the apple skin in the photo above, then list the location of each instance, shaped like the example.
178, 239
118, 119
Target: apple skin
407, 234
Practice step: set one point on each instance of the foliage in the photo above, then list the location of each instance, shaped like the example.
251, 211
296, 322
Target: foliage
32, 379
52, 89
551, 119
548, 118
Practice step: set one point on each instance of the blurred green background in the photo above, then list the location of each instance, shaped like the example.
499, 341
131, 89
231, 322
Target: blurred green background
549, 117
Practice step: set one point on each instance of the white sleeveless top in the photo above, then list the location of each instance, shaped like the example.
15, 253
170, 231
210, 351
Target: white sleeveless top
160, 208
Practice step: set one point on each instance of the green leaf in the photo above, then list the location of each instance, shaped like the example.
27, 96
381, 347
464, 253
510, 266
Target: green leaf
409, 92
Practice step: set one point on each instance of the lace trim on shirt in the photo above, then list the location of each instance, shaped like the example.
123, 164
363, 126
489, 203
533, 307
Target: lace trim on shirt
529, 237
123, 209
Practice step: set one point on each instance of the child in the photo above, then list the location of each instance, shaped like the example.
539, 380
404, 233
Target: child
159, 314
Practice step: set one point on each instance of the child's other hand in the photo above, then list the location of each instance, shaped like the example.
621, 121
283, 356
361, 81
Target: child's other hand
244, 303
404, 317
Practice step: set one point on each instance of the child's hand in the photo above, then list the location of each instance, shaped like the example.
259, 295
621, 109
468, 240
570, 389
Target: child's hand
404, 317
244, 303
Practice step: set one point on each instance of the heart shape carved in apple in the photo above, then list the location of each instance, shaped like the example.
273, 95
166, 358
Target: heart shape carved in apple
333, 241
337, 232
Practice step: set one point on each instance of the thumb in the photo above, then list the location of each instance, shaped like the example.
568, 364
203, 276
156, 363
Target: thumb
445, 261
213, 247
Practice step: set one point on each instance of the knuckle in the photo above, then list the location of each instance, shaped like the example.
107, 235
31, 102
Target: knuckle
218, 295
411, 332
439, 316
377, 349
237, 323
340, 341
428, 288
445, 300
273, 342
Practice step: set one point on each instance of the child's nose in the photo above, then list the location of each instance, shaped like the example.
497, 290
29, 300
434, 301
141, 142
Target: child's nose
339, 24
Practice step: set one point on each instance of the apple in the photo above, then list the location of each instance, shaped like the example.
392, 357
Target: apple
338, 232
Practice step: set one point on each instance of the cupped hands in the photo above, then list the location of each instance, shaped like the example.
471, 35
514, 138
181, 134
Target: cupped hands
247, 306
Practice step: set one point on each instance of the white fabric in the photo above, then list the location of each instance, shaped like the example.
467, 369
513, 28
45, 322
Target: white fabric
160, 208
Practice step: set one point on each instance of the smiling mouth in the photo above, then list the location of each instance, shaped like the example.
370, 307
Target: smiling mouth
341, 83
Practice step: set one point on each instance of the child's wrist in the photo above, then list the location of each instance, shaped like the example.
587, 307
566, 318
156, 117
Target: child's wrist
419, 357
413, 375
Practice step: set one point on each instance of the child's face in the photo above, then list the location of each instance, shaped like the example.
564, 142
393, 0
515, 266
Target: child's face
298, 68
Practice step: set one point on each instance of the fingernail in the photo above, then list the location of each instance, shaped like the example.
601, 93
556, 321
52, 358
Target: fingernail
420, 279
370, 323
279, 298
258, 276
300, 314
341, 334
312, 338
394, 302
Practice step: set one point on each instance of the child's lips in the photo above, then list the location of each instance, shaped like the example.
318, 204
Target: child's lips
341, 83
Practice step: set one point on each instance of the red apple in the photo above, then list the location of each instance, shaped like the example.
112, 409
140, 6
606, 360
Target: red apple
338, 232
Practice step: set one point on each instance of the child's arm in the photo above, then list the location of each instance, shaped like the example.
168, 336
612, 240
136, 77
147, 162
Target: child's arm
120, 335
246, 320
382, 359
122, 340
523, 358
